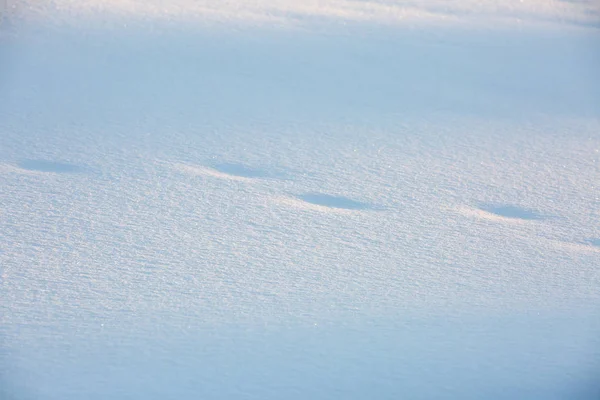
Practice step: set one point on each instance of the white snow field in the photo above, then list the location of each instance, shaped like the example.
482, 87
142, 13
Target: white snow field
286, 199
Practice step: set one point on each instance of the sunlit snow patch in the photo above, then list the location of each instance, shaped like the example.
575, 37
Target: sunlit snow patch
291, 12
40, 166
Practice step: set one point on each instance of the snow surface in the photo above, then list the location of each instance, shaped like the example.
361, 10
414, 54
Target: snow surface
293, 200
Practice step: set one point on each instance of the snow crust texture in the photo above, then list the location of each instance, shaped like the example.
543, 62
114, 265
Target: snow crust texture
269, 200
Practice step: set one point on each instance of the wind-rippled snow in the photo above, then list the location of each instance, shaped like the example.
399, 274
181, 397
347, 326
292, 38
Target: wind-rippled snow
296, 200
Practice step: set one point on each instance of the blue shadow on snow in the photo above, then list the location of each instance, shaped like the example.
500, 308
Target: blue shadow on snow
508, 211
49, 166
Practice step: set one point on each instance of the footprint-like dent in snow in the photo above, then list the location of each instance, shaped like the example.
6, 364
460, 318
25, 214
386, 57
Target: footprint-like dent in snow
511, 212
594, 242
587, 246
230, 171
324, 203
49, 166
326, 200
505, 213
241, 170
